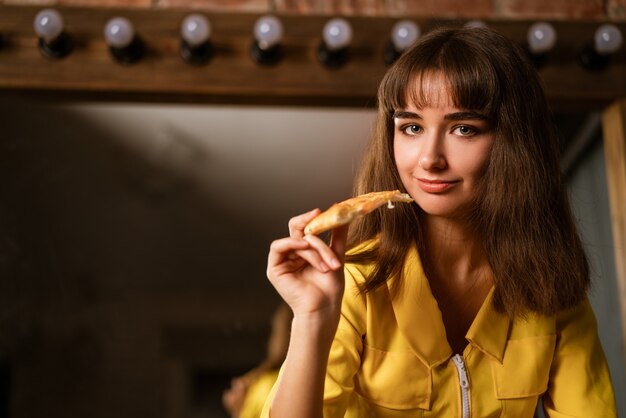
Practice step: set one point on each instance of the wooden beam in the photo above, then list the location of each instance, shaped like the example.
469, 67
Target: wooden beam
614, 126
233, 77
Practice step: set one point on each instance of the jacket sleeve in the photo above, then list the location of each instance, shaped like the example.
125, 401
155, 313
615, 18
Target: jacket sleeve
344, 359
580, 383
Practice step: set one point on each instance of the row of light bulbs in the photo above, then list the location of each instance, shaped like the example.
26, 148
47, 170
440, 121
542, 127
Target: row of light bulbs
195, 31
595, 55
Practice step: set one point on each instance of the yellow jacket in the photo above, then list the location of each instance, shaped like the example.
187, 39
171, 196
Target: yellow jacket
390, 358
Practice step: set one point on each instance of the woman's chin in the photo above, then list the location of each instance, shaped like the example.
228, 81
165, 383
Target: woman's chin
441, 210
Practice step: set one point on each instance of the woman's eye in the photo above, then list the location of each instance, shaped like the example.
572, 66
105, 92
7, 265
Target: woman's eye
412, 129
465, 130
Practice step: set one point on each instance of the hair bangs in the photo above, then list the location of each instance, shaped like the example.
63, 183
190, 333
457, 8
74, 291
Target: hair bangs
470, 79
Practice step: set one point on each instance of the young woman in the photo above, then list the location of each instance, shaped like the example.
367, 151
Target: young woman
470, 302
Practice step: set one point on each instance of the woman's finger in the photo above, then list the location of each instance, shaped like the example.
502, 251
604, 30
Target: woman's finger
300, 259
285, 254
297, 223
315, 259
280, 250
338, 240
327, 254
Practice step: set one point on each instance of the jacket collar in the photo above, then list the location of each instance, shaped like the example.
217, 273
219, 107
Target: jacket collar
490, 330
420, 321
418, 315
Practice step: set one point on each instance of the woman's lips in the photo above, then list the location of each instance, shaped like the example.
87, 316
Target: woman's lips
435, 186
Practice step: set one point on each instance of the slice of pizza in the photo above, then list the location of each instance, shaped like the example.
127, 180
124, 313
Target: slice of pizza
347, 211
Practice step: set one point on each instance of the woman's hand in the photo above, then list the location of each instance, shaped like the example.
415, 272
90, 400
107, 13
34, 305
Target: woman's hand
234, 397
308, 273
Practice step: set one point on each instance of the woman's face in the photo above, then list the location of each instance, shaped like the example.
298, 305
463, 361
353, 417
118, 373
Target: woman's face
441, 151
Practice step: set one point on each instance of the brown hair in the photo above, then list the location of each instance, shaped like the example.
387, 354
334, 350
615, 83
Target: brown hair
522, 214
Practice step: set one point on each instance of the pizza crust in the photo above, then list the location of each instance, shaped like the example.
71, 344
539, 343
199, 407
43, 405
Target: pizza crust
343, 213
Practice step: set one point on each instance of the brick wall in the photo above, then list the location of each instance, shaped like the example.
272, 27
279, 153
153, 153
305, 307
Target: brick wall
553, 9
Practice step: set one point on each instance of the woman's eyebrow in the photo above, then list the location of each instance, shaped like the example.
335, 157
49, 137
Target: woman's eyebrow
404, 114
464, 116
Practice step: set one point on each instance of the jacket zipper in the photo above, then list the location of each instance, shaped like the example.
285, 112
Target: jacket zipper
464, 383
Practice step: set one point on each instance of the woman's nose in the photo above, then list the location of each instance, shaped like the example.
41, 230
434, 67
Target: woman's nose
432, 156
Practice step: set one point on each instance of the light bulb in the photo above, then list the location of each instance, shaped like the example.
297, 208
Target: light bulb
608, 39
596, 55
404, 34
195, 46
541, 38
48, 25
333, 51
53, 41
124, 44
119, 32
268, 32
337, 34
195, 30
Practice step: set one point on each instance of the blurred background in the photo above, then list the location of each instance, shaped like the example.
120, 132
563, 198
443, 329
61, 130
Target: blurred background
134, 233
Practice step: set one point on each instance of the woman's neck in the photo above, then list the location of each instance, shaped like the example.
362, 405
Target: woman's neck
454, 251
458, 273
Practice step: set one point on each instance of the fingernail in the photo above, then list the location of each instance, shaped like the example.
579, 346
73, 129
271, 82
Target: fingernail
335, 263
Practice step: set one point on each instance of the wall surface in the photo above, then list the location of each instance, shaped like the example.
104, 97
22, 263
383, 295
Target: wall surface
590, 201
133, 245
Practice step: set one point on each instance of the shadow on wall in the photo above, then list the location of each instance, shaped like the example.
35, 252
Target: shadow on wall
124, 286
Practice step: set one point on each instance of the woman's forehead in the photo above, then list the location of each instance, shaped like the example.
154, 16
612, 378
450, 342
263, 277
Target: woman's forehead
429, 89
